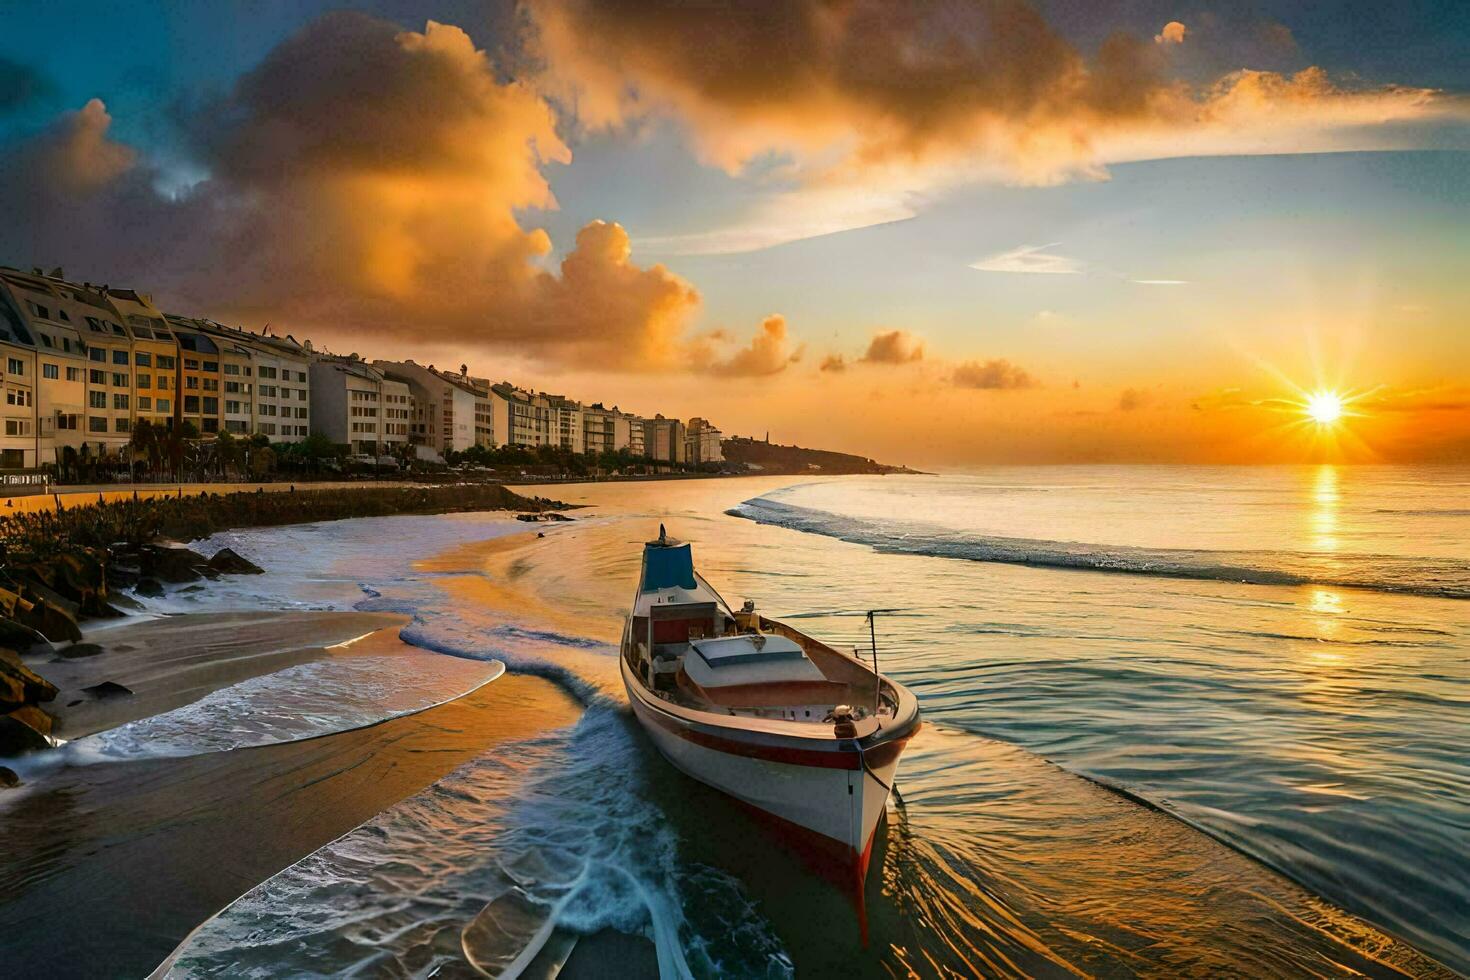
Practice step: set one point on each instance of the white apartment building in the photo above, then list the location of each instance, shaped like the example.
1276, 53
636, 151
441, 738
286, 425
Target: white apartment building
567, 424
637, 430
282, 387
702, 442
355, 404
450, 412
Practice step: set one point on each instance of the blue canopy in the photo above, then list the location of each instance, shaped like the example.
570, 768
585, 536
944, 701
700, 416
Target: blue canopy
667, 566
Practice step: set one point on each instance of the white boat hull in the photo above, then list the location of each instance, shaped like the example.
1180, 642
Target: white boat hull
831, 797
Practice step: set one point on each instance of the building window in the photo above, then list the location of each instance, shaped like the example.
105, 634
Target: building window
122, 425
268, 428
232, 408
266, 372
211, 406
232, 369
190, 364
18, 396
97, 399
211, 384
164, 384
191, 382
166, 362
212, 367
161, 405
235, 425
145, 381
17, 427
96, 423
119, 357
120, 381
73, 374
15, 365
98, 377
210, 424
67, 422
119, 401
191, 404
145, 404
51, 371
41, 311
97, 354
143, 359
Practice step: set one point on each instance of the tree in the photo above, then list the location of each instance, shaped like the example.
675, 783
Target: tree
144, 444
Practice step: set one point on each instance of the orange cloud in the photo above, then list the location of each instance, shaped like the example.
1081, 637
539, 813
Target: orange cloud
919, 94
1171, 33
995, 374
893, 347
363, 180
769, 352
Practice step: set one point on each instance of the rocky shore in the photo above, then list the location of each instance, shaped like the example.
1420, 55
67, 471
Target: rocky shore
61, 568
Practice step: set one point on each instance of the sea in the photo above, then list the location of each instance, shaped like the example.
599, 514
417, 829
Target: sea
1179, 721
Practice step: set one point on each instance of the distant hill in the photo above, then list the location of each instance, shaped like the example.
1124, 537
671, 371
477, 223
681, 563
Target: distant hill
774, 458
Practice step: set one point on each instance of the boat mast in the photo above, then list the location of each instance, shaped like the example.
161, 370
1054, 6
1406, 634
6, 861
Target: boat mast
877, 678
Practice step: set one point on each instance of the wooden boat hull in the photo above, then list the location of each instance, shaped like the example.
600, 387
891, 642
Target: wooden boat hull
832, 792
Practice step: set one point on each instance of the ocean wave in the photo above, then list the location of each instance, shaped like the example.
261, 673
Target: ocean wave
484, 864
1436, 577
309, 700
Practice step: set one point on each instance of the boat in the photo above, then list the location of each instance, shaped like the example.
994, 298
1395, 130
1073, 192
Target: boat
783, 723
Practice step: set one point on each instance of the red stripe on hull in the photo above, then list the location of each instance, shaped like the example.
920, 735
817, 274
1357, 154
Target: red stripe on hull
840, 759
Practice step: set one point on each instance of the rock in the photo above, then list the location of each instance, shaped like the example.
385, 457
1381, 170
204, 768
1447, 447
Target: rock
119, 603
51, 621
17, 636
552, 515
123, 576
33, 687
229, 562
24, 730
77, 651
8, 778
172, 564
150, 587
108, 690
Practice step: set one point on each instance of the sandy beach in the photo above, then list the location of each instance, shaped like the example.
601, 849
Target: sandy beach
175, 660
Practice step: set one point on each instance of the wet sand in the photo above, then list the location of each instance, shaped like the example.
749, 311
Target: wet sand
175, 660
107, 868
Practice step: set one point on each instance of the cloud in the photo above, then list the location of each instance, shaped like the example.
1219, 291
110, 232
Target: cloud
893, 347
1131, 399
995, 374
21, 85
834, 363
1031, 259
1171, 33
1160, 282
361, 180
769, 352
924, 95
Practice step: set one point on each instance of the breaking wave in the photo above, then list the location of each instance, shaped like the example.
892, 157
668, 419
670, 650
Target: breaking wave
1438, 577
305, 701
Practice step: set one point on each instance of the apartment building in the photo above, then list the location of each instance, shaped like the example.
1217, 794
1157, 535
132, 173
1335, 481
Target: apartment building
567, 424
282, 387
199, 377
520, 418
358, 405
44, 404
702, 442
450, 411
637, 430
605, 429
663, 439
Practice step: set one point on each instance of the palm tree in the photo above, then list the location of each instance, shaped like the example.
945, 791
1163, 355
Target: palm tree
144, 443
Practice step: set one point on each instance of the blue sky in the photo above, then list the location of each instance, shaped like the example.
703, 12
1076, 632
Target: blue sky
1269, 258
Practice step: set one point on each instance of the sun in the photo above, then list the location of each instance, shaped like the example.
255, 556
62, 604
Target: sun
1324, 407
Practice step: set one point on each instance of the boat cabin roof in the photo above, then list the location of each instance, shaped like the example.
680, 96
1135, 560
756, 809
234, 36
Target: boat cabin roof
746, 659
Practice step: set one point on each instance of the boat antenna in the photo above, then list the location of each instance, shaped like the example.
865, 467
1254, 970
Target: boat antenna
663, 536
873, 639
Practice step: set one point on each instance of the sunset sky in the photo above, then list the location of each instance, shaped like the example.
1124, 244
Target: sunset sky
938, 234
